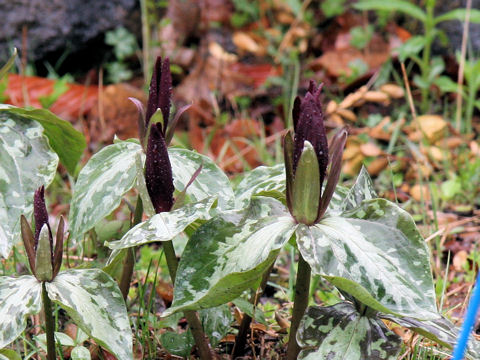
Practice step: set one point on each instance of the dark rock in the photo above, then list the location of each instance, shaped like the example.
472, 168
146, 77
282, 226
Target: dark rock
59, 26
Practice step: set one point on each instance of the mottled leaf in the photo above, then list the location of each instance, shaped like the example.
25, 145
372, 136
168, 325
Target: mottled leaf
93, 300
216, 322
341, 332
19, 297
360, 191
60, 338
178, 344
229, 253
376, 254
259, 181
27, 162
106, 177
148, 208
67, 142
80, 353
211, 181
164, 226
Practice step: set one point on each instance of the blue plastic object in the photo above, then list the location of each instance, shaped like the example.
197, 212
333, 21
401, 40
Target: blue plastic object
468, 323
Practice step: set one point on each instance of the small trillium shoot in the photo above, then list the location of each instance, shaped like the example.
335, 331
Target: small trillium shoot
44, 260
307, 157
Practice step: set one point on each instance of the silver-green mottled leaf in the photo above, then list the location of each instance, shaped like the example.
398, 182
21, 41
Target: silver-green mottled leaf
216, 323
259, 181
441, 330
211, 181
360, 191
19, 297
376, 254
106, 177
229, 253
148, 208
164, 226
7, 354
178, 344
80, 353
67, 142
27, 162
60, 338
339, 332
93, 300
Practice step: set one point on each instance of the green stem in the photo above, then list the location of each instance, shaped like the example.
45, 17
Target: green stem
241, 338
129, 262
429, 35
192, 317
49, 324
302, 292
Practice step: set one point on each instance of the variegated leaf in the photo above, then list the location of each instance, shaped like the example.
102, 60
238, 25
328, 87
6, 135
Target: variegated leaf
216, 323
93, 300
164, 226
262, 180
27, 162
211, 181
106, 177
376, 254
80, 353
339, 332
19, 297
229, 253
67, 142
441, 330
360, 191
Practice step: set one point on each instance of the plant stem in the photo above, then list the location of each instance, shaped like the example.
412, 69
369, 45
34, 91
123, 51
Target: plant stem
49, 324
129, 262
191, 316
429, 35
241, 338
300, 303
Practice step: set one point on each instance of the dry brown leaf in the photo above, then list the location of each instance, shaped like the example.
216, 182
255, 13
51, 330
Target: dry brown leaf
459, 261
377, 165
353, 99
377, 97
331, 107
420, 192
218, 52
370, 149
337, 119
281, 321
245, 42
392, 90
432, 126
347, 114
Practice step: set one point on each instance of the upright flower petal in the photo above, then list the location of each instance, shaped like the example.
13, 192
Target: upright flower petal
160, 92
40, 214
158, 171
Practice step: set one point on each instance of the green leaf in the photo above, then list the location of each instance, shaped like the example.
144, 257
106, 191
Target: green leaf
403, 6
6, 68
411, 47
43, 256
376, 254
340, 332
360, 191
60, 338
178, 344
27, 162
459, 14
19, 297
67, 142
7, 354
216, 323
247, 307
106, 177
164, 226
80, 353
261, 181
211, 181
229, 253
93, 300
306, 186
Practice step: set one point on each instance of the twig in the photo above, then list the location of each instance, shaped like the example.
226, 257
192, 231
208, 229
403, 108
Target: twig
461, 67
409, 93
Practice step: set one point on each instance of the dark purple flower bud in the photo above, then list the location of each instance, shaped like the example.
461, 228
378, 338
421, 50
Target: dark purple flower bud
308, 124
40, 214
158, 171
160, 92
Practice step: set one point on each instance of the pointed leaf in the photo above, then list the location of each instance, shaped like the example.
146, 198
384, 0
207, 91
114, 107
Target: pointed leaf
164, 226
178, 344
392, 5
19, 297
260, 181
43, 259
57, 255
172, 125
288, 150
360, 191
28, 242
67, 142
106, 177
376, 254
459, 14
142, 186
80, 353
7, 354
6, 68
216, 323
27, 162
94, 301
211, 181
229, 253
340, 332
306, 187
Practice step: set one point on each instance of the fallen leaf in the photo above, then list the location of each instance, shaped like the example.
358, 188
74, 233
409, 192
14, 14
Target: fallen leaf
432, 126
459, 261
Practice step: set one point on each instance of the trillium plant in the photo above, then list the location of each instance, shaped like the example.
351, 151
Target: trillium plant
366, 247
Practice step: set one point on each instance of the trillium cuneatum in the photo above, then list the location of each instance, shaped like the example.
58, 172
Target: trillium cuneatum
307, 158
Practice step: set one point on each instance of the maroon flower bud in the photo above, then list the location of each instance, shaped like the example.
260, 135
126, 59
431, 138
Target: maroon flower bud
158, 171
160, 92
308, 124
40, 214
